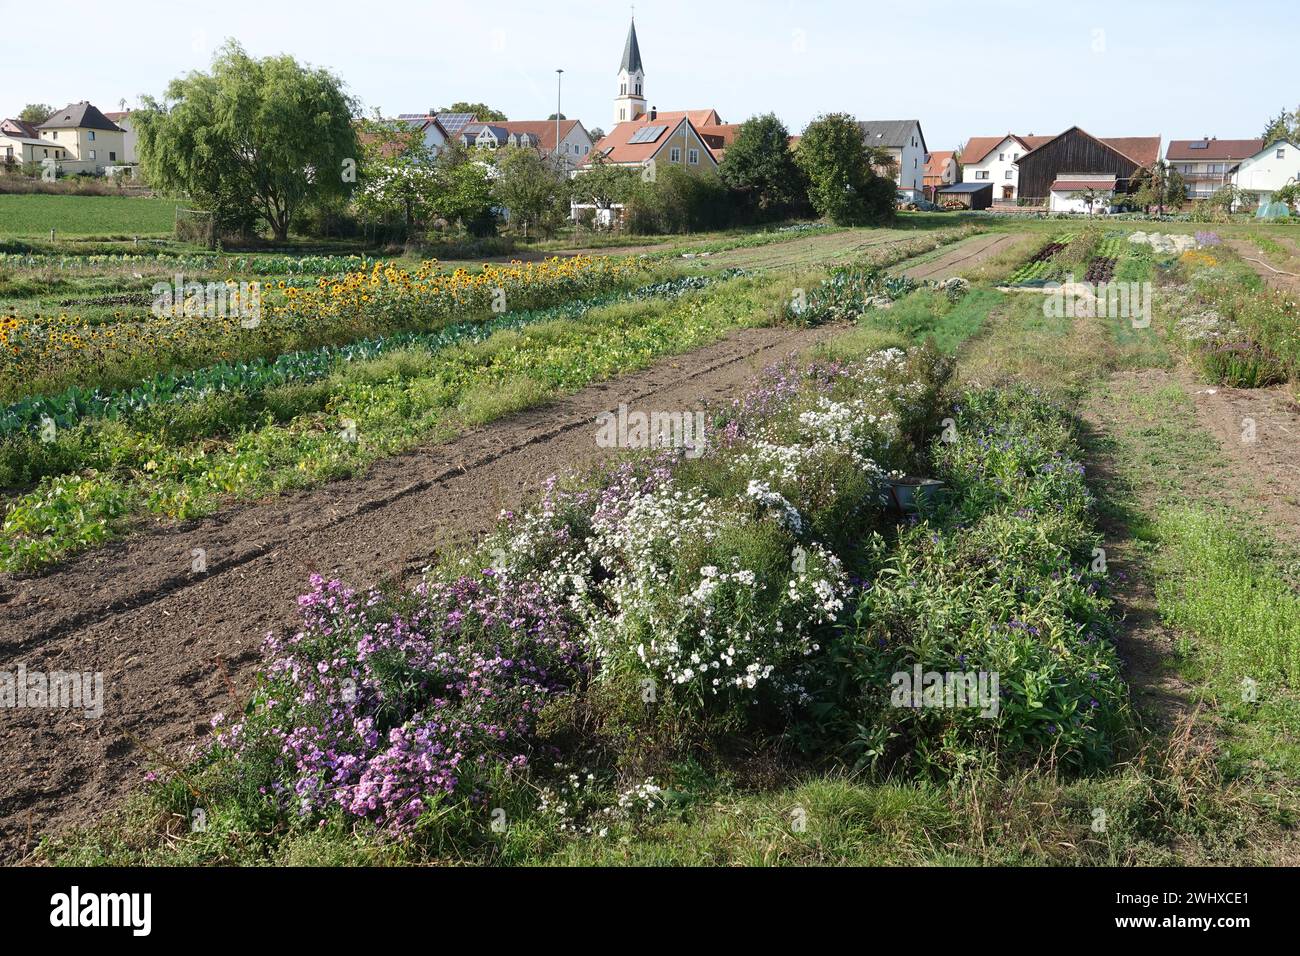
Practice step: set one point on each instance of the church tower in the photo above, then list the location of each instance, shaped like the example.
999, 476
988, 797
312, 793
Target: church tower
630, 102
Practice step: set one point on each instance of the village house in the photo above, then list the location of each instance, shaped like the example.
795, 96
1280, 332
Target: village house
1266, 171
434, 134
905, 144
941, 169
91, 140
1075, 171
122, 120
992, 159
575, 142
21, 144
1206, 164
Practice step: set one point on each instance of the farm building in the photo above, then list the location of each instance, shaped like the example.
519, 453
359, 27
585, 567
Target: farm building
967, 195
1077, 156
940, 170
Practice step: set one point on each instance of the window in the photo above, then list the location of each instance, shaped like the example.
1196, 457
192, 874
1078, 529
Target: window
1008, 175
1002, 157
622, 89
1281, 154
675, 154
622, 114
55, 134
981, 174
92, 135
638, 88
92, 154
586, 150
914, 162
112, 157
1014, 157
693, 156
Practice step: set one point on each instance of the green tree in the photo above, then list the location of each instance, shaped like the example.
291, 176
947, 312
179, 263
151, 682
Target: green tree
481, 111
676, 200
465, 192
255, 137
531, 188
604, 184
1158, 185
36, 113
760, 168
398, 182
842, 186
1285, 125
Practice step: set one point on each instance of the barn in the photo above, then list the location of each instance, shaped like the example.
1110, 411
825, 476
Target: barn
969, 195
1076, 156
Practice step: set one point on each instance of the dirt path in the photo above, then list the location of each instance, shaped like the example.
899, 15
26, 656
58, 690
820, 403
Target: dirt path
1256, 470
962, 256
1283, 277
155, 629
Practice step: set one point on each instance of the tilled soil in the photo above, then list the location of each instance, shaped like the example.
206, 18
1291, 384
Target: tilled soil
962, 256
176, 646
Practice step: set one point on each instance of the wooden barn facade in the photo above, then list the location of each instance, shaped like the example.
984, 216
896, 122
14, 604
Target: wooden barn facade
1076, 151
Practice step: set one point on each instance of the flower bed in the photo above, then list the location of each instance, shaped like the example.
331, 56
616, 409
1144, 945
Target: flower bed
761, 586
52, 352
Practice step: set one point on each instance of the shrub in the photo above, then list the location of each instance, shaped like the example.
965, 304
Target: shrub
996, 579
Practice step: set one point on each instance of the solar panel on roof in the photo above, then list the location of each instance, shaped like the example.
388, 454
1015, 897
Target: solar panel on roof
647, 134
1198, 145
454, 122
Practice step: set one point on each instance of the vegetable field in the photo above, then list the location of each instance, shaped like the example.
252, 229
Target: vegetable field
763, 549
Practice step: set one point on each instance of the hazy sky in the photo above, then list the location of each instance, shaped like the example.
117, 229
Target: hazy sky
1141, 67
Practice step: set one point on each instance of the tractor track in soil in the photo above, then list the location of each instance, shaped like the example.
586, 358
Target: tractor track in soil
175, 646
962, 256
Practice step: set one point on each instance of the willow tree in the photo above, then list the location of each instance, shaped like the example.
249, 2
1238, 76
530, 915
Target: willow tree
254, 139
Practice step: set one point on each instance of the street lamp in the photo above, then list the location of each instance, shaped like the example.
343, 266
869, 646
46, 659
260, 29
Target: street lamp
559, 76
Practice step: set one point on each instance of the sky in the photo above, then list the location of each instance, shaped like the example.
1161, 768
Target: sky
1139, 68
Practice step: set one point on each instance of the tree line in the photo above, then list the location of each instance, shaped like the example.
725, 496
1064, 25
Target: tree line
267, 145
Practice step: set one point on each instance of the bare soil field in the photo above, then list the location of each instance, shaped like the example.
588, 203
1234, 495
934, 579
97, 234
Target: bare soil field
962, 256
176, 646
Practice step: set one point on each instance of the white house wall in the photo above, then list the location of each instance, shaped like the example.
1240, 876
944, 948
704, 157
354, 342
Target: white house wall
1000, 165
1265, 173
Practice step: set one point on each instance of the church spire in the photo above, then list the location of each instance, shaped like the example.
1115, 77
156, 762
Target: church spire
631, 52
630, 102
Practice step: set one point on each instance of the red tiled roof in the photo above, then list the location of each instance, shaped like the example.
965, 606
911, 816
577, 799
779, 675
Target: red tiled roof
978, 147
1213, 150
719, 137
935, 162
616, 148
544, 130
698, 118
21, 128
1082, 185
1143, 150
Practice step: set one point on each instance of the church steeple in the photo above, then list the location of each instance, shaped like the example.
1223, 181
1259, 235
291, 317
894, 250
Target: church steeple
630, 102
